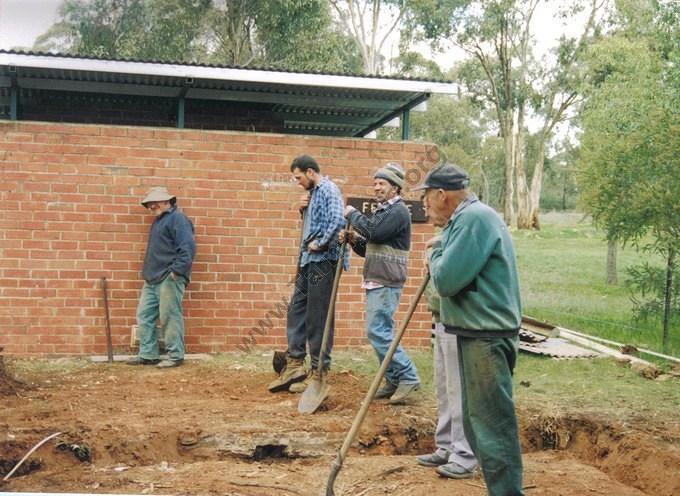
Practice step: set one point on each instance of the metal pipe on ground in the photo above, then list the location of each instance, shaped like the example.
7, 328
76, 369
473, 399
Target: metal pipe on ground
567, 332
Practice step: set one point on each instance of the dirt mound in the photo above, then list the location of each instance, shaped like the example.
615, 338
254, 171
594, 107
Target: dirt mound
8, 385
630, 456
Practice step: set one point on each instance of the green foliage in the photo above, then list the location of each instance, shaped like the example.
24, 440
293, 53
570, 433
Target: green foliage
630, 152
415, 65
300, 34
150, 30
560, 191
647, 284
290, 34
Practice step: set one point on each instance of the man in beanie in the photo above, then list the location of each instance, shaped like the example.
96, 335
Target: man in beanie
322, 207
167, 268
473, 269
384, 239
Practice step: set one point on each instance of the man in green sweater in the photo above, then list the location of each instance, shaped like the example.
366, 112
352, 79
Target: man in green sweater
472, 266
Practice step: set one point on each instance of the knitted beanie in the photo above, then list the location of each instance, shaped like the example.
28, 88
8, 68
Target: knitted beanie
391, 172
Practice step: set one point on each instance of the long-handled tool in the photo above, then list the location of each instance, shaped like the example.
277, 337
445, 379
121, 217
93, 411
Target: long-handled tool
109, 346
317, 389
337, 465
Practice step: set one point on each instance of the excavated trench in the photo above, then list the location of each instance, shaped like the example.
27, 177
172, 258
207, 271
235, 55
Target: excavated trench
633, 458
136, 425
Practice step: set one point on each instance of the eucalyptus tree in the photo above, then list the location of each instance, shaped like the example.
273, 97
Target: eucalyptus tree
499, 37
295, 35
149, 30
630, 151
371, 24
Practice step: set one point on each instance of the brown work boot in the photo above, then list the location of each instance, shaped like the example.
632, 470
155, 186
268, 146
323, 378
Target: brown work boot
292, 373
300, 387
403, 392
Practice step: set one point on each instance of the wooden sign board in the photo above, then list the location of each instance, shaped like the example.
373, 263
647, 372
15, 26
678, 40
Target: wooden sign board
368, 206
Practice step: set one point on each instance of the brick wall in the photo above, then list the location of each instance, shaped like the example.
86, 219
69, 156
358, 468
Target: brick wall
70, 215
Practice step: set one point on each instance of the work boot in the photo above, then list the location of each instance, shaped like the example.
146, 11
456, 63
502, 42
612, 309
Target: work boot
300, 387
403, 392
293, 372
142, 361
386, 391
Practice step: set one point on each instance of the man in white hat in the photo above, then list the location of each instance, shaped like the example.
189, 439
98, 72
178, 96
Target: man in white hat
384, 239
167, 268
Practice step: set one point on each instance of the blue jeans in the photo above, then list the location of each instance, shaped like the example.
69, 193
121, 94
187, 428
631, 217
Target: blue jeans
162, 301
486, 366
381, 304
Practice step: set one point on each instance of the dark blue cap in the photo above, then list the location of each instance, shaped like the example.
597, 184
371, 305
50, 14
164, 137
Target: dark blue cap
446, 176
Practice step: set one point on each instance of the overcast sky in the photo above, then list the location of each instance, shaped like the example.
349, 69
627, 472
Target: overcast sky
22, 21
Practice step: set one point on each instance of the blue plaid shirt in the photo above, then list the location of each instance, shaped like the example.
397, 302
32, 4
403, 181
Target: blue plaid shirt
323, 221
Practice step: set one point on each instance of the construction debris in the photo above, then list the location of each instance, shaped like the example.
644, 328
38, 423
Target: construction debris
537, 338
557, 348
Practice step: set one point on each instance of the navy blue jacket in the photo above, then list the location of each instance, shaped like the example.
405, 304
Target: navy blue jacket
171, 247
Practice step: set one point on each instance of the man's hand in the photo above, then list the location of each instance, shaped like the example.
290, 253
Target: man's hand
173, 276
304, 201
433, 242
313, 246
344, 233
348, 209
429, 244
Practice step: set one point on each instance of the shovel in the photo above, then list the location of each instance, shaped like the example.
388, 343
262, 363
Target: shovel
317, 390
337, 465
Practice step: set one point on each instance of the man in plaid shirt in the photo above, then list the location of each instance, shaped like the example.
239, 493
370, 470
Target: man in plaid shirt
322, 206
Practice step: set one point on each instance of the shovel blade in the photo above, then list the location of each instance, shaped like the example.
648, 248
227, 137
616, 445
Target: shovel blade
313, 396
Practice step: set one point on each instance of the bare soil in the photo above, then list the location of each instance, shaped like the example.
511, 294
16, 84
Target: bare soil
215, 430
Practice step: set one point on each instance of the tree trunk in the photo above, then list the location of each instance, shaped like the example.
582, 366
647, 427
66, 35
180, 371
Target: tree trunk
536, 187
612, 277
508, 206
485, 186
522, 189
668, 291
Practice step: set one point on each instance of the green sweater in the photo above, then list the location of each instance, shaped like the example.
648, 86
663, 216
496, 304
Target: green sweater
474, 272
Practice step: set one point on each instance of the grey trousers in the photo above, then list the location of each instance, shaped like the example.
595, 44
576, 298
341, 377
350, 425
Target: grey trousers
449, 436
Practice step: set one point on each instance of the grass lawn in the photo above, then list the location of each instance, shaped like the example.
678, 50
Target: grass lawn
556, 387
563, 279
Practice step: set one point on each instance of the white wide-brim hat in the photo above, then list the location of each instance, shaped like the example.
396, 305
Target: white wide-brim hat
157, 193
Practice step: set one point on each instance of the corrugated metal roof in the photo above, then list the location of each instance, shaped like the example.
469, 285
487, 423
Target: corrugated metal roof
307, 103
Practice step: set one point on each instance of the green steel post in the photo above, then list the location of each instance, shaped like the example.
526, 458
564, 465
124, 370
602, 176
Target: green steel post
405, 126
180, 113
13, 102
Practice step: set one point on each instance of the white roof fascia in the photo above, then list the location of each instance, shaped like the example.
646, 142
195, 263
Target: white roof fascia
224, 74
